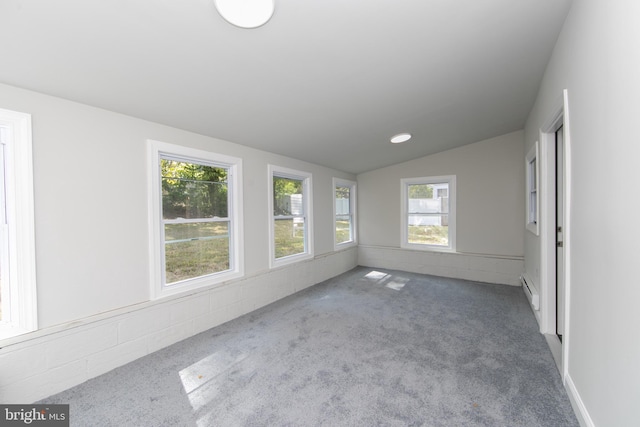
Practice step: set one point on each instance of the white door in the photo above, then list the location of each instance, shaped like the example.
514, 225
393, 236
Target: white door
560, 292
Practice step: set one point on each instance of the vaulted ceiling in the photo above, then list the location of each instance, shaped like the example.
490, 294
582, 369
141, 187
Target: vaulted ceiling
326, 81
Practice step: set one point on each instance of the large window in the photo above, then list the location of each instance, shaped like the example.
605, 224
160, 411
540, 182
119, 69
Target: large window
344, 199
429, 213
290, 213
197, 223
531, 164
17, 242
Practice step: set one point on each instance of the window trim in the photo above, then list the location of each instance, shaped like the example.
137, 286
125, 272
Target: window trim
21, 226
156, 151
404, 189
353, 195
532, 221
307, 189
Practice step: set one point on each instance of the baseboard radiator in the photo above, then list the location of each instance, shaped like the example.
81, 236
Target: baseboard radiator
531, 292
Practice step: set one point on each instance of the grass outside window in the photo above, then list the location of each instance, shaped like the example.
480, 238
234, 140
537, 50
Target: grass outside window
289, 237
343, 231
429, 234
195, 249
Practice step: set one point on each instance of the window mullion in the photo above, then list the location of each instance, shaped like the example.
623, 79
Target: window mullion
194, 220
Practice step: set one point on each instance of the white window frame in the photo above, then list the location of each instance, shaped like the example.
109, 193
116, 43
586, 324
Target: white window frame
353, 217
158, 150
307, 200
404, 191
532, 169
18, 250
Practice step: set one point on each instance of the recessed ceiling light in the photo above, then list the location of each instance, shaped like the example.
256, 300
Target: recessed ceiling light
401, 137
246, 13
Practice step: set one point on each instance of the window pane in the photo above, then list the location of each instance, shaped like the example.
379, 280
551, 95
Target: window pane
18, 311
343, 206
428, 229
443, 192
192, 190
421, 191
196, 249
287, 196
289, 237
533, 201
343, 217
428, 198
4, 241
532, 174
343, 228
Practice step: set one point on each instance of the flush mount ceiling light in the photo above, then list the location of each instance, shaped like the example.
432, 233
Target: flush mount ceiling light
246, 13
401, 137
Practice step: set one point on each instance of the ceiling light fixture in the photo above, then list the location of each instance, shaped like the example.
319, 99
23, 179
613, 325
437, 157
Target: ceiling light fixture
401, 137
246, 13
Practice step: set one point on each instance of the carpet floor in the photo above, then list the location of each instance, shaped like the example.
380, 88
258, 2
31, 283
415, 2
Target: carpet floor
366, 348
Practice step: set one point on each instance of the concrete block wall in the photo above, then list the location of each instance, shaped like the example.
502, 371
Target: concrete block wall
482, 268
52, 360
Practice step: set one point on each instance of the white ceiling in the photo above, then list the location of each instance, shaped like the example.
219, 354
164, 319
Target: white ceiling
326, 81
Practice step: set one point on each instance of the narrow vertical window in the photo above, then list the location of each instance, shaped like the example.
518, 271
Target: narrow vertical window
17, 242
533, 192
196, 218
531, 165
5, 288
344, 198
428, 213
290, 211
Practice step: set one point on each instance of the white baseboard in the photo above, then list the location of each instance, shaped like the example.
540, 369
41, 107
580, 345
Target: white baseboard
578, 405
504, 270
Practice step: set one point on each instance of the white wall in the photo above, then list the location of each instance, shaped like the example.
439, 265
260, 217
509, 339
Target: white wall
490, 212
596, 59
92, 239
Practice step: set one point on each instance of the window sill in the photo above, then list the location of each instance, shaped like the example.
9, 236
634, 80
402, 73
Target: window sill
8, 331
344, 245
291, 259
428, 248
198, 283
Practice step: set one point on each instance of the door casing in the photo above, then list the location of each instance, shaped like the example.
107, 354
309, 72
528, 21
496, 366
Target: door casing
559, 116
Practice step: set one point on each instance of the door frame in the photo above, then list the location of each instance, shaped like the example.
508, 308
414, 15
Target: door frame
559, 116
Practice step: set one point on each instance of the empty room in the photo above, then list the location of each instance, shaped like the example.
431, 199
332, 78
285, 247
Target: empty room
337, 213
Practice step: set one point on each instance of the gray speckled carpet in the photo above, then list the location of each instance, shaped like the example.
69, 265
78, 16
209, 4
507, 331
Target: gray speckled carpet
369, 347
